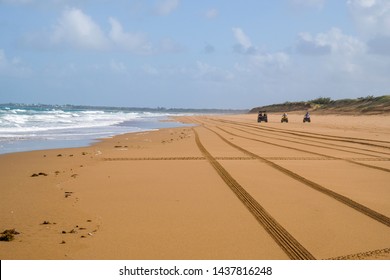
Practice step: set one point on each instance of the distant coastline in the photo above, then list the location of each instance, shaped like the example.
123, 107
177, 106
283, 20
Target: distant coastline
324, 105
127, 109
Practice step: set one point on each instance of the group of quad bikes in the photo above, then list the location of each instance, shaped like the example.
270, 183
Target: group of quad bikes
263, 117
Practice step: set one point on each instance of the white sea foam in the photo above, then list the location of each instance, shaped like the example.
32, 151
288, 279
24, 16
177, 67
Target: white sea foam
23, 121
22, 128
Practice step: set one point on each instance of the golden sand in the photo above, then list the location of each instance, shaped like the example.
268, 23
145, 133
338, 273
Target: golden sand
228, 188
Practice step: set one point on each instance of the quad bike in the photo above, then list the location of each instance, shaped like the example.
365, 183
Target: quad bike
262, 117
284, 119
306, 119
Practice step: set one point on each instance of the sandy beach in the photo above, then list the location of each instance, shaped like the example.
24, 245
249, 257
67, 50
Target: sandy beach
224, 188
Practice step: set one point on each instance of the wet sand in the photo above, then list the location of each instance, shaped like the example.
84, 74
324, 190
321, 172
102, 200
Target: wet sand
228, 188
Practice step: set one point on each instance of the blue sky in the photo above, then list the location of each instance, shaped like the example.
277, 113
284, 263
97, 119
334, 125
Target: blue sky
192, 54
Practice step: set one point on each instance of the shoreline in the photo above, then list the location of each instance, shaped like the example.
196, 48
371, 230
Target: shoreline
48, 142
154, 195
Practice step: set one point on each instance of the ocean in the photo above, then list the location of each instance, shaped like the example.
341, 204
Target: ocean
38, 127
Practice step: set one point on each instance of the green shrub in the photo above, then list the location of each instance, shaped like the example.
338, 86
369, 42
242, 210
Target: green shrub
321, 100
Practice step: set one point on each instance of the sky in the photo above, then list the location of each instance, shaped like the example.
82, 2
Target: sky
192, 54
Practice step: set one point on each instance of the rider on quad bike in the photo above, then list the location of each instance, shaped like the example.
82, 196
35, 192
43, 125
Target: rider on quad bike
262, 116
284, 118
306, 118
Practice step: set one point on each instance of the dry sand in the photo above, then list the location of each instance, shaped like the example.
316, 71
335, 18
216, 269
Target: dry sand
228, 188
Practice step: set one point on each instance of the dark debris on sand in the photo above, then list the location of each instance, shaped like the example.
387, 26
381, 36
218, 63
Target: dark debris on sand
8, 235
38, 174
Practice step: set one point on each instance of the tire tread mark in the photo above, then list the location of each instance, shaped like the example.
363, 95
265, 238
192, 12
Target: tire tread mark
301, 150
152, 158
333, 146
363, 255
172, 158
285, 240
325, 147
240, 158
343, 199
324, 136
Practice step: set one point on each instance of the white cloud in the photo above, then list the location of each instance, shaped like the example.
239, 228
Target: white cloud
165, 7
76, 29
279, 58
244, 44
379, 45
265, 67
132, 42
207, 72
338, 56
271, 62
242, 39
211, 13
259, 61
333, 41
362, 3
310, 46
371, 16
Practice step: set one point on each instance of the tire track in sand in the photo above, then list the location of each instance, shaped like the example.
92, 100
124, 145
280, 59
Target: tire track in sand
360, 151
369, 142
364, 255
305, 151
152, 158
343, 199
284, 239
171, 158
238, 158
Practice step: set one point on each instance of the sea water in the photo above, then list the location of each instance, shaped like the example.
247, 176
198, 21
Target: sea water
37, 127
